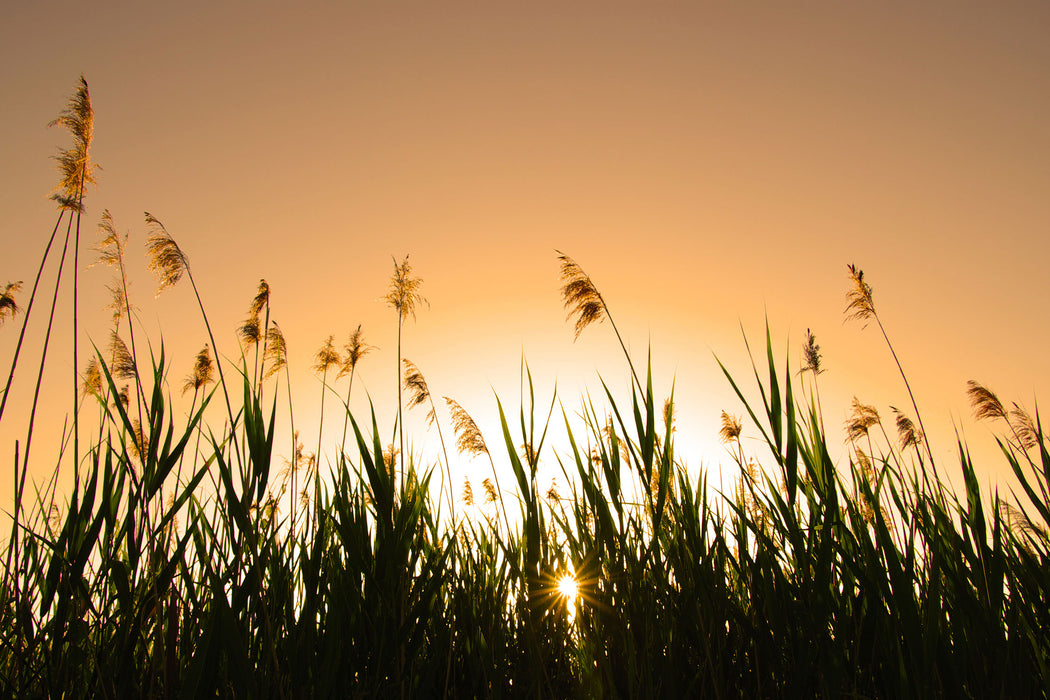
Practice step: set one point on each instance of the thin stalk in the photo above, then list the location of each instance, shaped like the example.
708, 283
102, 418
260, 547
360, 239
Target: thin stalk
400, 423
907, 385
28, 311
346, 418
76, 356
43, 355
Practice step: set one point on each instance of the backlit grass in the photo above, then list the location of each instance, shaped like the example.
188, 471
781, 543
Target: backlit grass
187, 561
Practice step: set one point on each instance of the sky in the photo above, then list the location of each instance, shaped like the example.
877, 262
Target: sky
712, 166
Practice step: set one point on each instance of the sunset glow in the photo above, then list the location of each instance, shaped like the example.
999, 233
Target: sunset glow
719, 324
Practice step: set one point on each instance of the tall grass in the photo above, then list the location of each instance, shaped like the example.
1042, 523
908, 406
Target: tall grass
172, 570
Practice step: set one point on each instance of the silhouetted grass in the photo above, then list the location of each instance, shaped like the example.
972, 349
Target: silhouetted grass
173, 570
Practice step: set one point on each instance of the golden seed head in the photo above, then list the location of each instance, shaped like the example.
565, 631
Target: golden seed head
166, 259
579, 295
468, 436
861, 306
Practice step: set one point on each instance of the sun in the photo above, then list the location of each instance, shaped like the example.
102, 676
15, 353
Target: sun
567, 587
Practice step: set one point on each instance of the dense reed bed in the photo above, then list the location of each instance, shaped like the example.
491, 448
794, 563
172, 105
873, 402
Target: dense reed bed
186, 562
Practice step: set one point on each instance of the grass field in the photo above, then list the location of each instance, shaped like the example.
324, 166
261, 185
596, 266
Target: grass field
188, 562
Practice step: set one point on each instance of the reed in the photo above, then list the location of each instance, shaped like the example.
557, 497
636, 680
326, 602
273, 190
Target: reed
171, 569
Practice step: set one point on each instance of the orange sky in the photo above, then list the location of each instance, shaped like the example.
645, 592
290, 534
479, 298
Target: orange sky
708, 164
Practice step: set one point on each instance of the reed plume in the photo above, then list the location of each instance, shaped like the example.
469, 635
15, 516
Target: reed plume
468, 493
730, 432
491, 493
731, 428
985, 403
470, 441
403, 293
1025, 428
201, 374
355, 348
74, 163
583, 300
276, 351
861, 307
552, 491
468, 436
166, 260
250, 331
111, 252
8, 306
277, 354
92, 384
812, 362
907, 433
862, 418
122, 363
419, 393
199, 377
261, 300
325, 359
811, 355
253, 330
260, 306
168, 264
77, 171
404, 296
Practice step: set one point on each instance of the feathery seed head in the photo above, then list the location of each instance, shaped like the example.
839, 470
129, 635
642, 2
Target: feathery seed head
355, 348
468, 436
326, 357
1025, 427
468, 493
528, 453
113, 245
984, 401
8, 306
579, 295
276, 350
811, 355
75, 164
390, 455
861, 306
250, 332
92, 379
416, 384
861, 420
403, 293
118, 301
419, 392
166, 259
122, 364
907, 433
552, 491
731, 428
201, 374
669, 413
261, 300
491, 495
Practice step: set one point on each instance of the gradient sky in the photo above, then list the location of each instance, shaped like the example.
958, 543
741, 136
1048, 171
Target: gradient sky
709, 164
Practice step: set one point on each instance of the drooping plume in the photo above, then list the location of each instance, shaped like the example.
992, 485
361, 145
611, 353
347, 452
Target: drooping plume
166, 260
